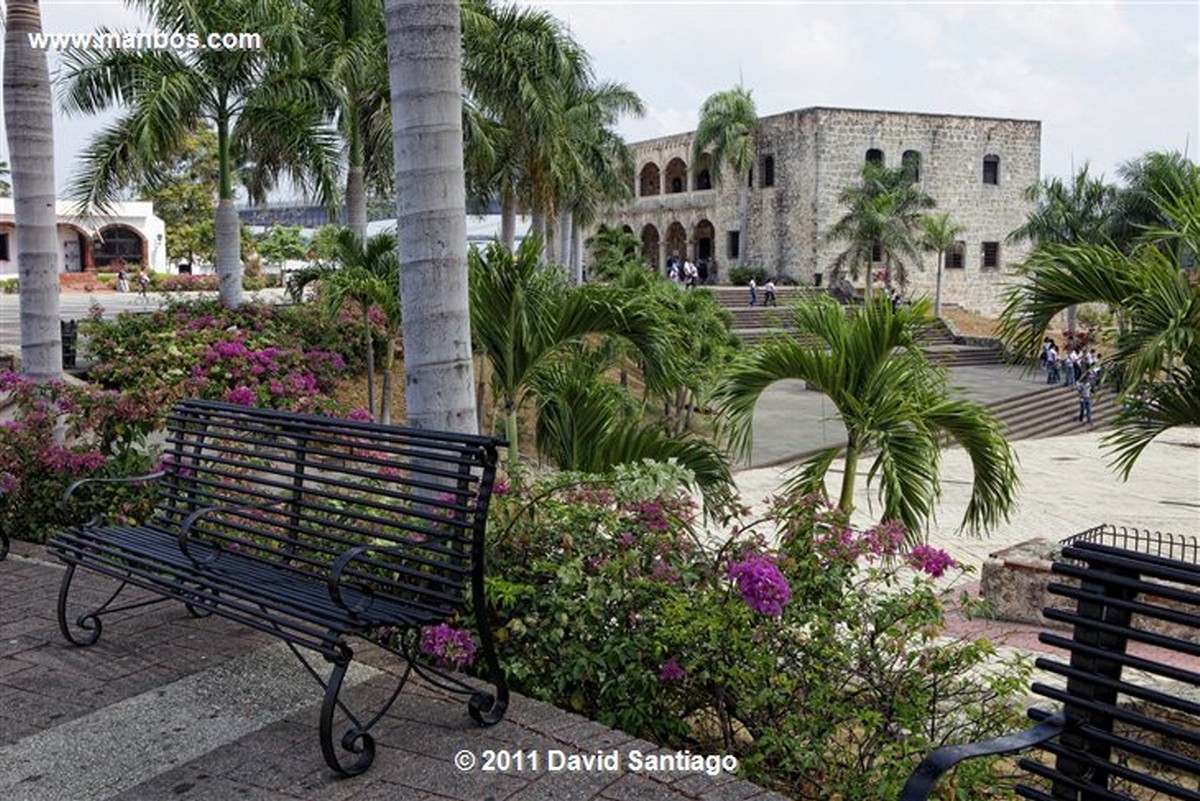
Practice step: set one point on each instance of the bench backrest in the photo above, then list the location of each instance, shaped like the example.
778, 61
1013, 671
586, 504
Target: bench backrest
305, 489
1133, 718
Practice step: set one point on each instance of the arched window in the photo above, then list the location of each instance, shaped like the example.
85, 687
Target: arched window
910, 162
117, 243
649, 183
768, 171
702, 172
991, 170
676, 176
875, 156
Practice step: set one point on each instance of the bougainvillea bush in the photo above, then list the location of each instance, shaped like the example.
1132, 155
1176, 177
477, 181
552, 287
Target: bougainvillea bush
61, 433
813, 651
255, 355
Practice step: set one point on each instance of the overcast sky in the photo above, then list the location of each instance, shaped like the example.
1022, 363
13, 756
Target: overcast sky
1108, 81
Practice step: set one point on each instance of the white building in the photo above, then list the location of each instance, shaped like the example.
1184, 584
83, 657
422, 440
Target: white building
131, 234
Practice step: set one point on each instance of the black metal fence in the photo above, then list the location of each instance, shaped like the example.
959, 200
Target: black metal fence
1156, 543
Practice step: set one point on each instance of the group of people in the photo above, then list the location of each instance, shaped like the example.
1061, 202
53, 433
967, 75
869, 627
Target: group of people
1076, 367
768, 293
685, 273
143, 282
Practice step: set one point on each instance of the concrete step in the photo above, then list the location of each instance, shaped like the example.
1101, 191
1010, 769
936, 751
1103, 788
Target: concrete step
1051, 411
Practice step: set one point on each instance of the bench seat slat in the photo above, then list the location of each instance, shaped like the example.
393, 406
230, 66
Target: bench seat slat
1124, 687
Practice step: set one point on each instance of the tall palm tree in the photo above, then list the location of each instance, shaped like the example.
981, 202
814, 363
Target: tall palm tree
938, 234
728, 121
517, 65
1158, 312
1073, 212
350, 50
893, 402
882, 218
597, 166
523, 317
1151, 180
29, 121
424, 44
266, 112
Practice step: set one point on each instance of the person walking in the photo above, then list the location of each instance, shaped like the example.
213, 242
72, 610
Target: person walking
1052, 364
753, 292
143, 281
769, 294
1084, 388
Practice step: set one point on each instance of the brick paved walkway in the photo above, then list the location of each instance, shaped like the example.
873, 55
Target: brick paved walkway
166, 706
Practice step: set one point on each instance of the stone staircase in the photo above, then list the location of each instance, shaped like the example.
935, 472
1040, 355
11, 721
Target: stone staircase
1050, 411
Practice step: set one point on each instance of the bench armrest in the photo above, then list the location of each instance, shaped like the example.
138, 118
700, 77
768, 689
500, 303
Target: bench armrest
335, 579
921, 783
65, 502
185, 528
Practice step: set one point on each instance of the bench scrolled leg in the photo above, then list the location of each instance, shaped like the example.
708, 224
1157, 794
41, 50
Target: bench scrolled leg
3, 545
87, 621
487, 709
356, 740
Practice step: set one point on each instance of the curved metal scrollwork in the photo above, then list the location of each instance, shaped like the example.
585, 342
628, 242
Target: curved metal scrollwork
357, 740
88, 621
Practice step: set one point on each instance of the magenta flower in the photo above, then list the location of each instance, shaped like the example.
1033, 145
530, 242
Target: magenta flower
671, 671
361, 415
933, 561
501, 487
448, 645
243, 396
762, 585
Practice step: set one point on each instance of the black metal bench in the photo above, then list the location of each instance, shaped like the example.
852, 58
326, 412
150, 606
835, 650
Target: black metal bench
1129, 725
314, 530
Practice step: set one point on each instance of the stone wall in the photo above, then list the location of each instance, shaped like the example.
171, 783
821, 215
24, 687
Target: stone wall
817, 153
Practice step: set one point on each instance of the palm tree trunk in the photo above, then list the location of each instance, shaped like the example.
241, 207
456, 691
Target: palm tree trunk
849, 476
576, 250
537, 224
369, 355
356, 186
563, 232
937, 292
385, 401
226, 233
356, 202
870, 283
29, 120
511, 430
508, 221
424, 42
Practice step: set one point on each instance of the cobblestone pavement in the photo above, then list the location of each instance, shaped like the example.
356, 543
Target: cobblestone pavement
167, 706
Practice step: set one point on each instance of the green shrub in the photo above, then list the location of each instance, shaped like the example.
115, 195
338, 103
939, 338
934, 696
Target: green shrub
818, 663
9, 286
740, 276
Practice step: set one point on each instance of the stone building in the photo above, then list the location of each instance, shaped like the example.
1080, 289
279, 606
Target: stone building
977, 168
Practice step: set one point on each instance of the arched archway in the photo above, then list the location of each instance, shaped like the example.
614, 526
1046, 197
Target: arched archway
704, 236
675, 176
677, 241
702, 173
122, 243
650, 242
649, 182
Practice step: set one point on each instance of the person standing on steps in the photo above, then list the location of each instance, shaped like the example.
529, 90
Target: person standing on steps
769, 294
753, 292
1084, 388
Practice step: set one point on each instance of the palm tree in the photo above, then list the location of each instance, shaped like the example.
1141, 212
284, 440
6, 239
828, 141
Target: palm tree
590, 424
728, 121
5, 186
1067, 213
1150, 182
612, 249
266, 113
425, 64
1158, 314
938, 234
368, 276
350, 51
524, 316
518, 64
892, 401
29, 118
883, 218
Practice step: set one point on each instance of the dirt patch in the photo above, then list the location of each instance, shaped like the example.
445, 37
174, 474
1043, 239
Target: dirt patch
968, 324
